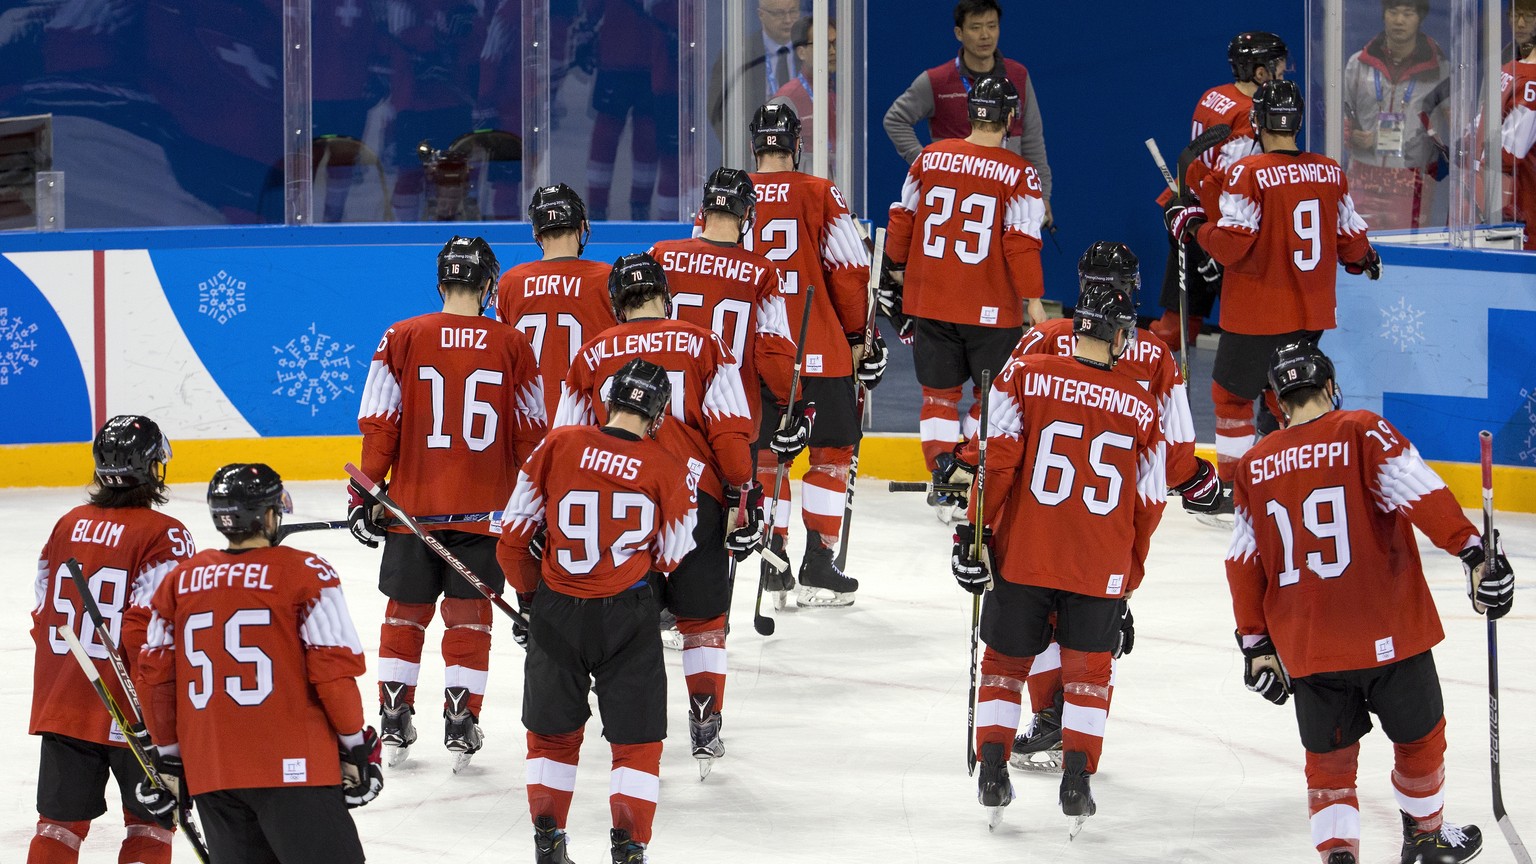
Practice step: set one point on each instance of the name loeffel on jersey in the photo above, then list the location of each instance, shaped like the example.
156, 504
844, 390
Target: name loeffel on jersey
1297, 172
250, 575
552, 284
629, 344
100, 533
463, 337
608, 462
1321, 455
976, 166
716, 266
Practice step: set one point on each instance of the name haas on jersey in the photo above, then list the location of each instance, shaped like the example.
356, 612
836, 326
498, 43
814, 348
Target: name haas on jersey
463, 337
608, 462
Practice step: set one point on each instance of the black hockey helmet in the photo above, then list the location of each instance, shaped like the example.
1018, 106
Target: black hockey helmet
992, 99
240, 495
1297, 365
730, 190
558, 206
1249, 51
642, 387
1110, 263
1277, 107
1104, 309
468, 261
775, 128
130, 450
635, 279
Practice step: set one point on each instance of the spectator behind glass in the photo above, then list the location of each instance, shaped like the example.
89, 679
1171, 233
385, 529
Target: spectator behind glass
770, 61
938, 95
798, 93
1389, 115
1522, 29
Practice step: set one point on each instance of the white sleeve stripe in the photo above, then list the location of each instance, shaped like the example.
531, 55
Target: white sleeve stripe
773, 316
841, 245
525, 508
1003, 416
909, 195
1519, 132
675, 540
1178, 424
1243, 545
1235, 149
575, 409
530, 403
148, 582
381, 392
1237, 211
1404, 479
40, 587
160, 634
1349, 220
1025, 214
328, 623
725, 395
1152, 474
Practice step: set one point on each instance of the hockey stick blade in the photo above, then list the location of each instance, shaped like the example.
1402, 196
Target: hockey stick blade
920, 486
1201, 143
491, 516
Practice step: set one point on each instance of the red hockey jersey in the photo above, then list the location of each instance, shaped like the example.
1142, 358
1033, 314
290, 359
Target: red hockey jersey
1223, 104
1323, 556
1518, 91
452, 406
250, 667
124, 553
558, 305
804, 226
967, 228
616, 507
709, 421
735, 293
1286, 219
1073, 452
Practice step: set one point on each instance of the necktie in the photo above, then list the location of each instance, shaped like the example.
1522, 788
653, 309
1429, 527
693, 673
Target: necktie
780, 69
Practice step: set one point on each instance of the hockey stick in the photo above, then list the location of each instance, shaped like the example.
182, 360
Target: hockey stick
921, 486
876, 262
760, 622
405, 519
978, 493
491, 516
1500, 815
1157, 156
1204, 141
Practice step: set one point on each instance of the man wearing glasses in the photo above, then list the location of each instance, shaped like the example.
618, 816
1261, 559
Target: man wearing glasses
770, 60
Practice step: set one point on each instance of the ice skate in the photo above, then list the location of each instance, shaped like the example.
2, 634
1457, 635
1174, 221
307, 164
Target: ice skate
1039, 749
461, 729
704, 728
993, 788
1223, 517
549, 842
397, 732
1076, 797
625, 849
775, 582
821, 583
1451, 844
671, 637
1343, 856
949, 509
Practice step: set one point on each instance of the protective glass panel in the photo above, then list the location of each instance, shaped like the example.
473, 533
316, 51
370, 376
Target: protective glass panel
1517, 104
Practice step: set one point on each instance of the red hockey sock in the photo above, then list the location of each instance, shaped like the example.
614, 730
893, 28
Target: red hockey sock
972, 420
57, 842
704, 657
634, 786
400, 641
551, 776
1418, 778
1332, 805
1085, 679
1234, 429
939, 422
1045, 678
146, 843
467, 647
999, 697
777, 503
824, 491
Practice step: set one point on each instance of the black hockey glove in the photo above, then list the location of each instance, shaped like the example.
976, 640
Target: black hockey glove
536, 543
889, 297
363, 516
1127, 638
1202, 492
795, 435
871, 367
362, 774
525, 606
744, 519
160, 795
1183, 219
1262, 671
973, 574
952, 477
1370, 265
1491, 588
1208, 270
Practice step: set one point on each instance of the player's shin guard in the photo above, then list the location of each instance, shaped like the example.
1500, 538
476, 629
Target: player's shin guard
972, 419
57, 842
400, 641
146, 843
704, 657
824, 491
1333, 807
467, 647
775, 501
1418, 778
998, 701
939, 422
551, 775
1085, 679
1045, 678
634, 787
1234, 429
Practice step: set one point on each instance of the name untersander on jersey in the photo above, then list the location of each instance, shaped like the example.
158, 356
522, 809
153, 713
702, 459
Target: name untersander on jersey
1324, 454
713, 266
1298, 172
630, 344
976, 166
1078, 392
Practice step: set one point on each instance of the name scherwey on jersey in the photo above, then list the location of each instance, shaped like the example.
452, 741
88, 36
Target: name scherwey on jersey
558, 304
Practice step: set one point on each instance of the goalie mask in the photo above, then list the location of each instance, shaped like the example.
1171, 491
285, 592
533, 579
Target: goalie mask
635, 279
642, 387
239, 497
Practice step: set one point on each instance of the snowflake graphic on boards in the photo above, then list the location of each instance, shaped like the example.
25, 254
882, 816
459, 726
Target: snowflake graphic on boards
313, 369
1528, 455
221, 297
1402, 325
16, 346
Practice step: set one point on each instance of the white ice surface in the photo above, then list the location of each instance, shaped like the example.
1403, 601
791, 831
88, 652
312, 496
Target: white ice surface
845, 730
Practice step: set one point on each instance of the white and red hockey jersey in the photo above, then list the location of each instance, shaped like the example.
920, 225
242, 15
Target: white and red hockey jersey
558, 304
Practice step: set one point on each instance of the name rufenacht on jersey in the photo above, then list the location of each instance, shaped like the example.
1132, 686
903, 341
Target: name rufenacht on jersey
691, 344
717, 266
101, 533
977, 166
1298, 172
1324, 454
250, 575
1080, 392
608, 462
552, 283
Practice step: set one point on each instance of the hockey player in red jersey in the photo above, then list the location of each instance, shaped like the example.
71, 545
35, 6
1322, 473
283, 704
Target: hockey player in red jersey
249, 680
452, 407
969, 215
561, 300
595, 512
1285, 218
1255, 57
1332, 606
125, 547
1518, 92
1074, 450
710, 429
803, 223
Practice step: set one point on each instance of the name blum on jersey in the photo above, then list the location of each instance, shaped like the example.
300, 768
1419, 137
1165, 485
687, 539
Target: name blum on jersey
716, 266
552, 284
1321, 455
100, 533
1086, 393
659, 341
608, 462
976, 166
